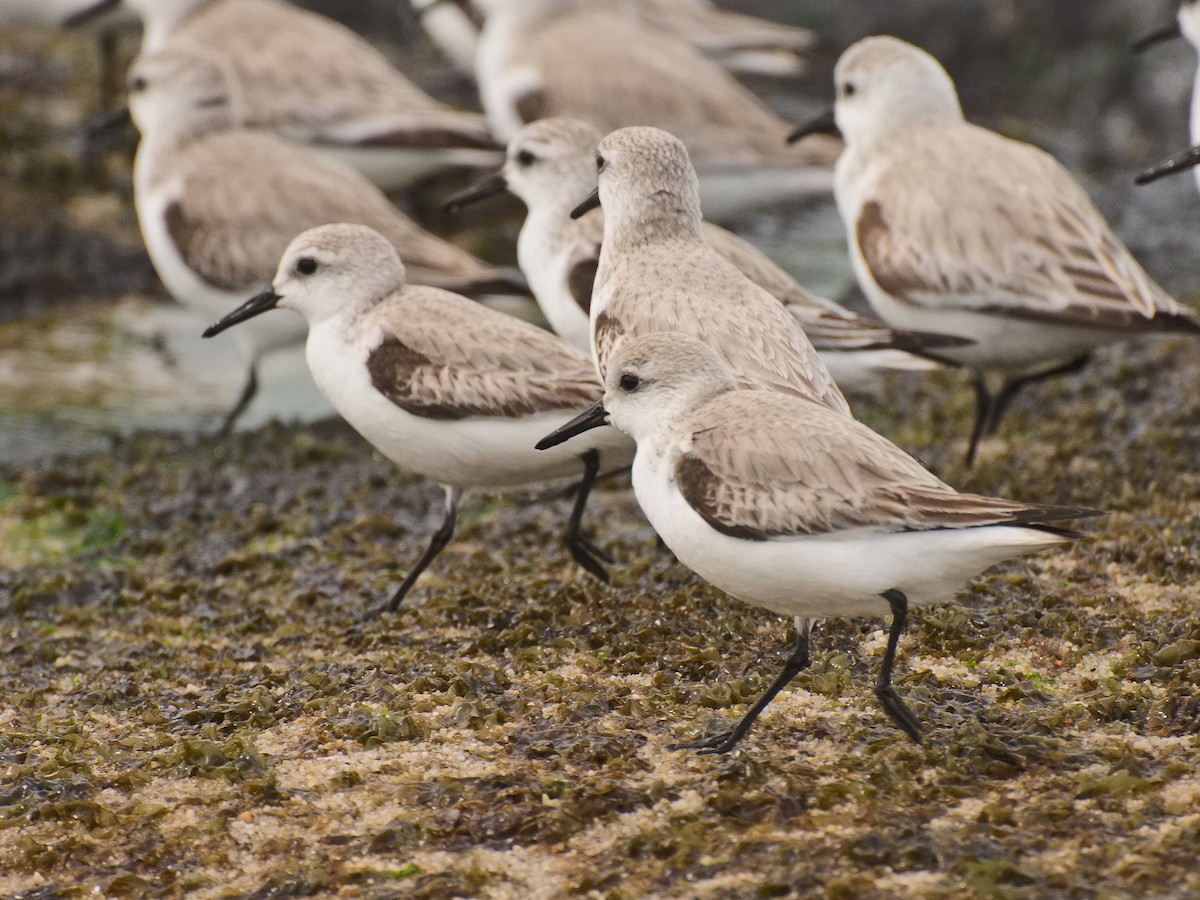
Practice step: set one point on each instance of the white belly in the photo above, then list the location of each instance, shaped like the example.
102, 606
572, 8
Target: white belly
828, 576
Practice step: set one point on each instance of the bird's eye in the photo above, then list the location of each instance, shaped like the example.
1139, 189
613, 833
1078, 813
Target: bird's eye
137, 84
601, 162
525, 158
629, 383
306, 265
848, 89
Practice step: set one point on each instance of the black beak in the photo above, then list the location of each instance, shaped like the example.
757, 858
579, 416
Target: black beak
90, 13
825, 123
592, 202
1166, 32
489, 187
248, 310
1178, 163
108, 124
592, 417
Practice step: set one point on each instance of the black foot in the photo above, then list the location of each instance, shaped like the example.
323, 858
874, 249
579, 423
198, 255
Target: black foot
589, 556
721, 742
899, 713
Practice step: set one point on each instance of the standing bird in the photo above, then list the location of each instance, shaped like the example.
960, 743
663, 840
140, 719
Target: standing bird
552, 163
543, 58
218, 203
955, 228
783, 503
743, 44
316, 82
658, 273
438, 384
1187, 25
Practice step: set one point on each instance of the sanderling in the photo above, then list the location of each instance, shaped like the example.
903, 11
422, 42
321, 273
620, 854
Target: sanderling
1187, 25
955, 228
542, 58
316, 82
551, 164
438, 384
740, 43
657, 273
785, 504
218, 203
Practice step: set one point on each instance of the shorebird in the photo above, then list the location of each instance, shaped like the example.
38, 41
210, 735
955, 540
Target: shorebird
658, 273
1186, 25
542, 58
219, 203
784, 504
741, 43
316, 82
551, 165
438, 384
955, 228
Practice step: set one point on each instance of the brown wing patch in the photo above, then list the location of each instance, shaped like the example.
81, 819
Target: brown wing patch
189, 240
702, 490
875, 243
426, 137
532, 105
605, 336
580, 281
432, 390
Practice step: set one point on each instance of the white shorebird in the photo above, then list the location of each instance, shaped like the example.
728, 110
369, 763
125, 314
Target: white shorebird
316, 82
219, 203
740, 43
543, 58
787, 505
551, 164
955, 228
1186, 25
438, 384
658, 273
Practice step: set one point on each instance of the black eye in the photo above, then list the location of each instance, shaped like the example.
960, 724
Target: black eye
601, 162
525, 158
306, 265
629, 383
137, 84
849, 90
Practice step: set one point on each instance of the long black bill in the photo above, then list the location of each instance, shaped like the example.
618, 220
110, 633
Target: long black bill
254, 306
90, 13
489, 187
825, 123
592, 202
1180, 162
592, 417
1167, 32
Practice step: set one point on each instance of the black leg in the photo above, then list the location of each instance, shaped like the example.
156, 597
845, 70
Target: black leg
983, 413
437, 544
110, 73
892, 704
1013, 386
583, 550
248, 393
727, 740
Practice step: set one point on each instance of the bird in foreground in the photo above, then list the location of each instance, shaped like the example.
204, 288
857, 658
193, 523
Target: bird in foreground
218, 203
543, 58
955, 228
741, 43
784, 504
438, 384
1186, 24
552, 163
314, 81
657, 272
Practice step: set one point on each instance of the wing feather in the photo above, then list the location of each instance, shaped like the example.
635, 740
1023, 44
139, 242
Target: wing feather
777, 467
444, 357
1003, 229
